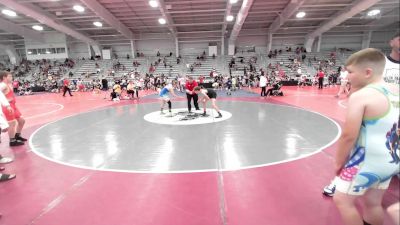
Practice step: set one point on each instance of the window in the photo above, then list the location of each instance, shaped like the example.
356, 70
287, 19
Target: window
51, 51
40, 51
60, 50
32, 52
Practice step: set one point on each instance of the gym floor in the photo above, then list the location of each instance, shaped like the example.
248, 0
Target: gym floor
94, 161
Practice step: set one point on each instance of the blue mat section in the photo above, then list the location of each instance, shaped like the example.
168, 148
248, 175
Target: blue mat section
238, 93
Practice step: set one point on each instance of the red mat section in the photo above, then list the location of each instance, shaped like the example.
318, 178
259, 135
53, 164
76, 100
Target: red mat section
46, 193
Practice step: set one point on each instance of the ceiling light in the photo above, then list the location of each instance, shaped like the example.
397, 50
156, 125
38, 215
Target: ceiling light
153, 3
374, 12
29, 52
9, 12
162, 21
78, 8
97, 24
233, 1
300, 14
37, 27
229, 18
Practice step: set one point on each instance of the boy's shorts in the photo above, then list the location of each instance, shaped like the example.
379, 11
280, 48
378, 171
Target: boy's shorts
11, 116
165, 98
352, 187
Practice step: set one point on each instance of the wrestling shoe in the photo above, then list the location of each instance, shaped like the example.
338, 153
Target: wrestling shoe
18, 137
16, 142
4, 160
329, 190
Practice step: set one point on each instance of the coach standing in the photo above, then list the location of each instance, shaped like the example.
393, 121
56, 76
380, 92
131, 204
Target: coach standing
66, 88
321, 76
189, 86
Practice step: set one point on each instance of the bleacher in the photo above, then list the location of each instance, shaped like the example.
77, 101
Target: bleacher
171, 70
238, 69
220, 64
128, 64
207, 65
88, 67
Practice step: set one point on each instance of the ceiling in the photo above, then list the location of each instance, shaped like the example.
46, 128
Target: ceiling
192, 20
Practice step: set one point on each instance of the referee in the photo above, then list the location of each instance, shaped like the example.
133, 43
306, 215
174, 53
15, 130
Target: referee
190, 94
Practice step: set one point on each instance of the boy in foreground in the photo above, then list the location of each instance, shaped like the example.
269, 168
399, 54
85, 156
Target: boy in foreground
364, 166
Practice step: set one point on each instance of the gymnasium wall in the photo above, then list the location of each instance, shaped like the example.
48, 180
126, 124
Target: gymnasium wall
52, 40
380, 39
193, 48
328, 43
150, 44
78, 50
150, 47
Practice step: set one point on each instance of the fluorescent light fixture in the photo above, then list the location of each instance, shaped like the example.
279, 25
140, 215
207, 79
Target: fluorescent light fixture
374, 12
78, 8
233, 1
229, 18
37, 27
29, 52
97, 24
162, 21
300, 14
153, 3
9, 12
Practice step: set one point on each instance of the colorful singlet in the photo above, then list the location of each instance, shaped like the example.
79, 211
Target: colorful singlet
10, 93
165, 90
375, 157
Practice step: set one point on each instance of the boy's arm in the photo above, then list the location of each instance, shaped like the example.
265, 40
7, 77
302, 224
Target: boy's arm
205, 96
3, 100
351, 129
173, 93
3, 87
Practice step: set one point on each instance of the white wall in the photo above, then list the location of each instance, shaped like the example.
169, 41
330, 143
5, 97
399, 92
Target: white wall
251, 41
150, 47
193, 48
281, 43
329, 43
121, 50
52, 40
78, 50
380, 39
260, 42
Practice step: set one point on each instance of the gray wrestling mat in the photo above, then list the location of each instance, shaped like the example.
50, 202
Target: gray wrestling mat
121, 139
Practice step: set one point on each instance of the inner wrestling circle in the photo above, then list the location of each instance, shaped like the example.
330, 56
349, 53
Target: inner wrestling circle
181, 116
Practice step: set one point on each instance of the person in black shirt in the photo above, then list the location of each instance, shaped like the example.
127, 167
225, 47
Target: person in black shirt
275, 87
208, 94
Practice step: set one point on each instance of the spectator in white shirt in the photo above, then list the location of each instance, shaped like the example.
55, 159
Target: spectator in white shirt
263, 85
343, 83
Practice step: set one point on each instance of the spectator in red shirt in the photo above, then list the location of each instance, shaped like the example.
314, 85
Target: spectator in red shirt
66, 87
201, 79
189, 86
15, 86
321, 76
